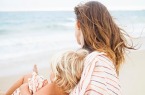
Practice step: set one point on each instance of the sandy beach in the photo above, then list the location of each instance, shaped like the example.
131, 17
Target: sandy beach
132, 75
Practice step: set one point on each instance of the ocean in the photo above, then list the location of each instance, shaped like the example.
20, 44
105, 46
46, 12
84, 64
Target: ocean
28, 38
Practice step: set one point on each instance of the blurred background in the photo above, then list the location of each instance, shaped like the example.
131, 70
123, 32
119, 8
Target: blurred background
31, 31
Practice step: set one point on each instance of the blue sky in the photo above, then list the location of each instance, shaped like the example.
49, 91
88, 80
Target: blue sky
47, 5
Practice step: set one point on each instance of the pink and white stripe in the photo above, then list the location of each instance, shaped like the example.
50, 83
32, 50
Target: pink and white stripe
98, 77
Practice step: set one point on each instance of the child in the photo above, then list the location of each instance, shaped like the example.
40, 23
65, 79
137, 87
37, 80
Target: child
66, 72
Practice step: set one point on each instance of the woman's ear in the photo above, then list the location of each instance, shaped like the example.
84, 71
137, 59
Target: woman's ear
78, 24
79, 34
81, 39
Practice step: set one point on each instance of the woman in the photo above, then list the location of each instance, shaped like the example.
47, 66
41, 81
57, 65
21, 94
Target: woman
98, 33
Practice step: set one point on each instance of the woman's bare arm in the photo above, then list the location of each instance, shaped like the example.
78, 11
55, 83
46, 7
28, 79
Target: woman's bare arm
48, 89
21, 81
18, 83
24, 89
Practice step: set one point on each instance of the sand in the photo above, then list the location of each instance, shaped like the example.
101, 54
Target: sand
132, 75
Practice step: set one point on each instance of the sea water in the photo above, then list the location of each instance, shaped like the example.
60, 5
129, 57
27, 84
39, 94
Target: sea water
30, 37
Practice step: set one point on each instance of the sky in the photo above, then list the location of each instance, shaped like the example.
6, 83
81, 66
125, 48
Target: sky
53, 5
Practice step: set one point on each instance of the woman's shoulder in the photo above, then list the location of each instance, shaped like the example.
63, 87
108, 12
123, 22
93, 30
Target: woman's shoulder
94, 54
99, 58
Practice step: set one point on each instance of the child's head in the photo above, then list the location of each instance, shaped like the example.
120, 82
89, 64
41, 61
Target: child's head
67, 68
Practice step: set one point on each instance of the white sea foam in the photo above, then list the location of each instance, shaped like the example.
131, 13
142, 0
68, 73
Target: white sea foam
27, 38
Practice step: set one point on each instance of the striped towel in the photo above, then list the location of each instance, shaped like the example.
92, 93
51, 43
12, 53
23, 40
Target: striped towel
98, 77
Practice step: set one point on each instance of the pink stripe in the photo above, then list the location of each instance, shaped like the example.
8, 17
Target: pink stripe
98, 87
106, 61
113, 86
107, 82
87, 71
94, 91
102, 66
108, 73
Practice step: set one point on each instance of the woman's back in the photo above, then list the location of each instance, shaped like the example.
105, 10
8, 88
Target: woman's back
99, 77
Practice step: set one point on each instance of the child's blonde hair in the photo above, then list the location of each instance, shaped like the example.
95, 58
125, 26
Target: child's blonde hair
67, 68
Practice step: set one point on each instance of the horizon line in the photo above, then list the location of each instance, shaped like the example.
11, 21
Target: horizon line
68, 10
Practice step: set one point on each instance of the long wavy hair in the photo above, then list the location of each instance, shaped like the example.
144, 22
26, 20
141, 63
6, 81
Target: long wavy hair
100, 32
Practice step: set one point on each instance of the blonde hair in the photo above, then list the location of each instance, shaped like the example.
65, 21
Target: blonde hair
67, 68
